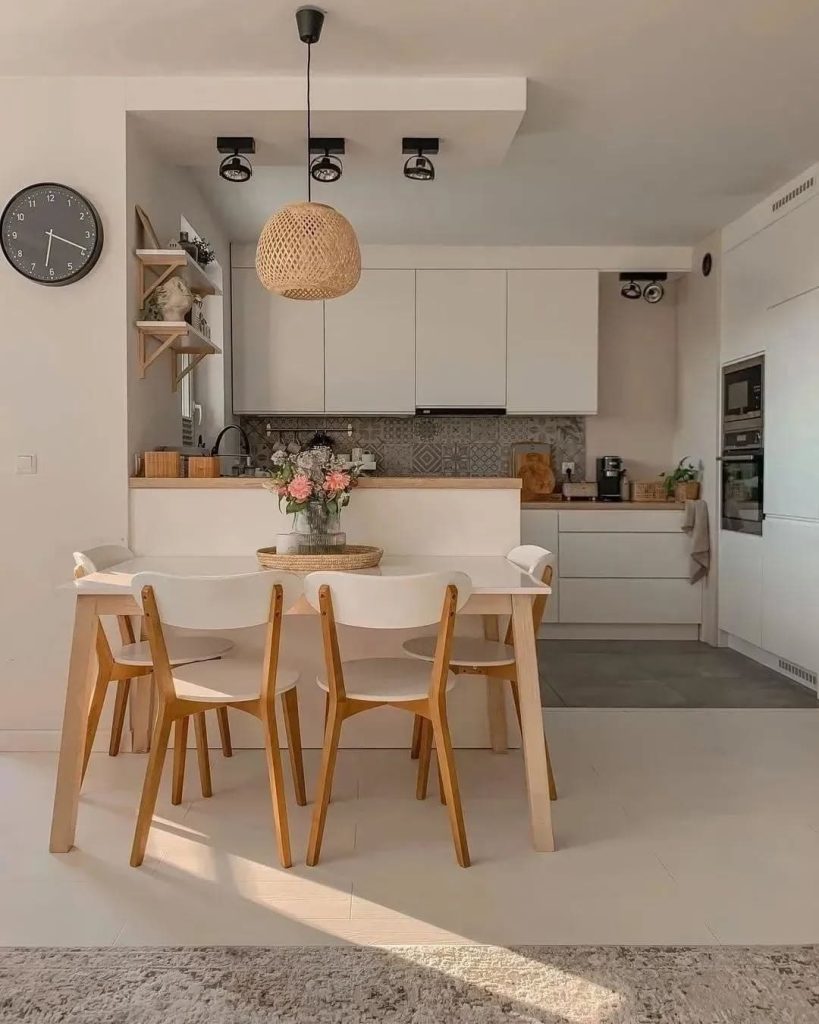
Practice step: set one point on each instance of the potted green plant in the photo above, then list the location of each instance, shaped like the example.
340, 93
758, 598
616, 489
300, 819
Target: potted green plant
681, 483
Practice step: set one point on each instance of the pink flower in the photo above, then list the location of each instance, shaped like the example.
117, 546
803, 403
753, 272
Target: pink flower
282, 490
336, 481
300, 488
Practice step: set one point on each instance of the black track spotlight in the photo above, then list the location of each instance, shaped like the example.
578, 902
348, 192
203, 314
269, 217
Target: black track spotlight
236, 166
651, 290
419, 167
327, 167
631, 290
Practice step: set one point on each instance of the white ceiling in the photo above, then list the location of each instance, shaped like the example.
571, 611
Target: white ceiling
648, 121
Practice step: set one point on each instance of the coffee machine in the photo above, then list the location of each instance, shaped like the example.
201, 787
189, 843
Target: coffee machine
609, 474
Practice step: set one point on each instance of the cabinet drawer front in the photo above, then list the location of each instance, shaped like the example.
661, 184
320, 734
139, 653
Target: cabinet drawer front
633, 555
539, 526
630, 601
621, 521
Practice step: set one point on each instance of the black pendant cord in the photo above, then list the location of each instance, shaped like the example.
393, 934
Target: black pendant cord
309, 127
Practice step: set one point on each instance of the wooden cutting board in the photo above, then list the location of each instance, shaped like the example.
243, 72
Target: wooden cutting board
535, 470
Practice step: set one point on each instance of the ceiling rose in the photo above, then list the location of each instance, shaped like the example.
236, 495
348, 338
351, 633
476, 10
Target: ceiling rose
308, 250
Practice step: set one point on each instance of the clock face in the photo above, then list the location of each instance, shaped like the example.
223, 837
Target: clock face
51, 234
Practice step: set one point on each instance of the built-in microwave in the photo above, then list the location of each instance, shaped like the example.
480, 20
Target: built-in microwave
742, 390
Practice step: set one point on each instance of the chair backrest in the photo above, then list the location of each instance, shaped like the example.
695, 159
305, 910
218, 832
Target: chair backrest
532, 559
217, 602
387, 602
99, 559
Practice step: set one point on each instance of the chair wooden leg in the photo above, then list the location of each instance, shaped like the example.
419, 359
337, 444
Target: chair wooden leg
94, 712
424, 756
276, 777
290, 705
224, 731
150, 789
203, 756
118, 720
417, 726
516, 697
332, 734
180, 753
449, 780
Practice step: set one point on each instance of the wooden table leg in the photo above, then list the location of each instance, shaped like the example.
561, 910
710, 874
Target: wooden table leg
496, 696
534, 746
75, 719
142, 708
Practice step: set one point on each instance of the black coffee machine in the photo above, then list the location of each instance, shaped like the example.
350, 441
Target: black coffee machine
609, 474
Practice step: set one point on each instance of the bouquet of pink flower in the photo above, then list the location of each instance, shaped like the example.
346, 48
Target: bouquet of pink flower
314, 476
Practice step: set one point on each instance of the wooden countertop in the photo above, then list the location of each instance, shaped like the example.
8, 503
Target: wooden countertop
459, 483
604, 506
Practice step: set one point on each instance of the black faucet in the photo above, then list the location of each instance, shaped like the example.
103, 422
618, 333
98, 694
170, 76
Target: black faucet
232, 426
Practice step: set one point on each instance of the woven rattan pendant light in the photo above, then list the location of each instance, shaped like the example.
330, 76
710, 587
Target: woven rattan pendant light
308, 250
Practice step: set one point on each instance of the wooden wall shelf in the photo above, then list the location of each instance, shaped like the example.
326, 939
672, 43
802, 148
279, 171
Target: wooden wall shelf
157, 265
175, 336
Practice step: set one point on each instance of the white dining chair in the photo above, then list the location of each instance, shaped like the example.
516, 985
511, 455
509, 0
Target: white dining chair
132, 659
491, 658
387, 602
244, 681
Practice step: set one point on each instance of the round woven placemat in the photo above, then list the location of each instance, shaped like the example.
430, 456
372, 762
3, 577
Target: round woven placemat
352, 557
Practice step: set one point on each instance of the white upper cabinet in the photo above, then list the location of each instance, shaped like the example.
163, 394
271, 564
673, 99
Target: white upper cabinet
278, 350
792, 253
461, 338
791, 424
370, 345
552, 341
746, 287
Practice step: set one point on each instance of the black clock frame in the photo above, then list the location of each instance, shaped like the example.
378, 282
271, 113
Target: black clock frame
92, 259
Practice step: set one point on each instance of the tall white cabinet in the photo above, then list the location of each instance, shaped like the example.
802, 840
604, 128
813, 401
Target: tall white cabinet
278, 350
460, 338
552, 341
369, 346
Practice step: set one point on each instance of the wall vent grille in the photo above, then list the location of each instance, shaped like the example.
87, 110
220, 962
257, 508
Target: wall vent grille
792, 194
802, 674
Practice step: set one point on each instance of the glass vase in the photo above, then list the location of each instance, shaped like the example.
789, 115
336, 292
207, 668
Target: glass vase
318, 530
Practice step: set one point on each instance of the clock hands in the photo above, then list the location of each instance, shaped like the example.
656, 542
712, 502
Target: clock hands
52, 235
48, 250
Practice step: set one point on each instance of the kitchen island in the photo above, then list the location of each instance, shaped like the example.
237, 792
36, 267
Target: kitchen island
406, 516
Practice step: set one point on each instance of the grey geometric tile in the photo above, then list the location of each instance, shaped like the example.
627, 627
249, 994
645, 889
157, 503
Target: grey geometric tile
397, 460
485, 428
427, 460
455, 459
396, 429
485, 460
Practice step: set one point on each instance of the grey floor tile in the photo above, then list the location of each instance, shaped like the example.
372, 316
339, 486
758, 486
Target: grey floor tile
660, 674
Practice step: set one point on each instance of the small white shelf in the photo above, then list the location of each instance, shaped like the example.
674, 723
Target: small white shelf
175, 336
160, 264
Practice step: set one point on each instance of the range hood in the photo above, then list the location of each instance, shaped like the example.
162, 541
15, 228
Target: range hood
460, 410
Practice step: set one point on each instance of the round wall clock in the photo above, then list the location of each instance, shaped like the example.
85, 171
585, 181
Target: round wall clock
51, 234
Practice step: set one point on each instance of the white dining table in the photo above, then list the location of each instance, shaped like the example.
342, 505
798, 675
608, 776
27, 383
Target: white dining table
498, 588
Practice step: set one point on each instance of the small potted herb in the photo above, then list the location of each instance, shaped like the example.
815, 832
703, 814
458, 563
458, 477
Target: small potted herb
681, 483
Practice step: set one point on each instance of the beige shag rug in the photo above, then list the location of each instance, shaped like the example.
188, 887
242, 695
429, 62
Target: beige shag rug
411, 985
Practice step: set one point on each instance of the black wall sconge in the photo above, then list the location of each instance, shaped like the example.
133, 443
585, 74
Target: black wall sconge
652, 291
326, 168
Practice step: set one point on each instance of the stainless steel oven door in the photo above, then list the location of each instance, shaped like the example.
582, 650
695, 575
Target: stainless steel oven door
742, 476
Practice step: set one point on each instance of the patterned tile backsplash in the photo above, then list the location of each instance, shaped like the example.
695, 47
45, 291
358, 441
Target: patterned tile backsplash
428, 445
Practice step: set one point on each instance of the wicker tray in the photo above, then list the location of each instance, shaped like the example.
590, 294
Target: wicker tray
353, 557
653, 490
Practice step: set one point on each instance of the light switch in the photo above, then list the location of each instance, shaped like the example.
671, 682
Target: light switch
26, 464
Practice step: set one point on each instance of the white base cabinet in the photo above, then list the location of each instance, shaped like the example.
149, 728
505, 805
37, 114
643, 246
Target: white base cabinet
621, 573
740, 585
790, 591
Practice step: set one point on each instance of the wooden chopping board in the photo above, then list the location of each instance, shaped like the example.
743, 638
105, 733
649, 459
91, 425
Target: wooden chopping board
535, 470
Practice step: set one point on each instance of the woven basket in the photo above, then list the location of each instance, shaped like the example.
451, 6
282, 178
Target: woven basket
652, 490
353, 557
162, 464
308, 251
687, 490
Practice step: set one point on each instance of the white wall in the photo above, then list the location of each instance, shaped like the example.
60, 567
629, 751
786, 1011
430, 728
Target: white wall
62, 392
696, 429
167, 193
637, 371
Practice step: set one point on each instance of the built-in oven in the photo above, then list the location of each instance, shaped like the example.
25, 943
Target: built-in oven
743, 464
742, 390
